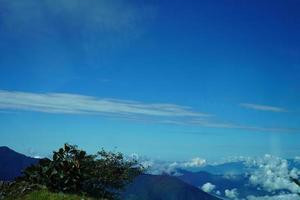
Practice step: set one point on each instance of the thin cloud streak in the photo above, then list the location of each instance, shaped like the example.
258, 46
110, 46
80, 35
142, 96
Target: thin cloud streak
263, 107
225, 125
65, 103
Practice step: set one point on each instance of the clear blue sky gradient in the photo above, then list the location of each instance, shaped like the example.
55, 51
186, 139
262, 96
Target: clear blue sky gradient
213, 56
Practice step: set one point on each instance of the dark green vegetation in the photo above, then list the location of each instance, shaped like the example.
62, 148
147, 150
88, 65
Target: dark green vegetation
42, 194
46, 195
73, 171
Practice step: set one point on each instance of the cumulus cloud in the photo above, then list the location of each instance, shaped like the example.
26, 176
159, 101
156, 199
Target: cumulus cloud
171, 167
270, 175
208, 187
263, 107
158, 167
232, 194
194, 162
273, 174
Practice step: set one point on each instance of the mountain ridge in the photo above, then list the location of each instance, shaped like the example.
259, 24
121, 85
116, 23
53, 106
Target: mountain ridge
12, 163
144, 187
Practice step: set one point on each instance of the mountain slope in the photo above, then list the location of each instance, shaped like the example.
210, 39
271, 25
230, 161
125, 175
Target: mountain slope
163, 187
199, 178
144, 187
230, 168
12, 163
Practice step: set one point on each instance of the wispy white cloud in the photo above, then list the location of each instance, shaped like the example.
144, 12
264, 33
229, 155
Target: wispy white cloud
80, 104
224, 125
263, 107
65, 103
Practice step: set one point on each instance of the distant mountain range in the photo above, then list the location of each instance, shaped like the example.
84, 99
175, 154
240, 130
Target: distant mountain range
230, 168
144, 187
163, 187
184, 185
12, 163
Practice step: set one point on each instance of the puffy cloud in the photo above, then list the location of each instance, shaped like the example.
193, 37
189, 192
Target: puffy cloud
208, 187
268, 173
272, 173
195, 162
157, 167
232, 194
166, 167
277, 197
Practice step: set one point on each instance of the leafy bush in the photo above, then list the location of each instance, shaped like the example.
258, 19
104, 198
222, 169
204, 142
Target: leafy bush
72, 170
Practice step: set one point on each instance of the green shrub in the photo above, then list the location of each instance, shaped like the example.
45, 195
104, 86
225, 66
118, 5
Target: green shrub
17, 190
71, 170
46, 195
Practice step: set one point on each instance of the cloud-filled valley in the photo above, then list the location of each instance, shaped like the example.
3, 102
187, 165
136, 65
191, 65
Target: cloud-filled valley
261, 178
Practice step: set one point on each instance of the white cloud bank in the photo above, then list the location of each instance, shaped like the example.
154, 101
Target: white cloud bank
194, 162
277, 197
158, 167
268, 173
273, 174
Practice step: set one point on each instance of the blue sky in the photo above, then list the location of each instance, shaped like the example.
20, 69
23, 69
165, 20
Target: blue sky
166, 80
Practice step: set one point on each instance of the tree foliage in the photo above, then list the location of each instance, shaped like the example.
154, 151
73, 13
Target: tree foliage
72, 170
